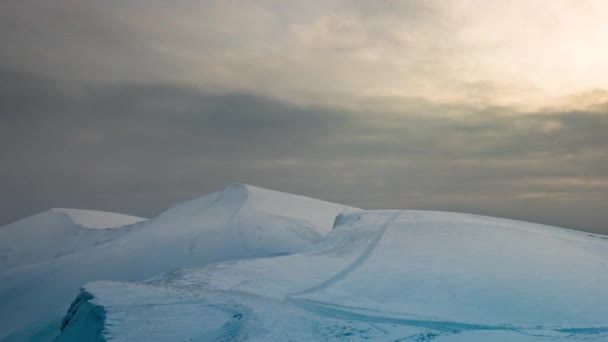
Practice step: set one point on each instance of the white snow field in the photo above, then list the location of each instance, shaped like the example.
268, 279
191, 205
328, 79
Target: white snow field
237, 223
378, 275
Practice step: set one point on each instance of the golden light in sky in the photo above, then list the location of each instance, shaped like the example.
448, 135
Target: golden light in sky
546, 49
528, 54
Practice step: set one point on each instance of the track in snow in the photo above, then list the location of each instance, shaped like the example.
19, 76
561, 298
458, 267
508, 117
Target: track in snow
350, 268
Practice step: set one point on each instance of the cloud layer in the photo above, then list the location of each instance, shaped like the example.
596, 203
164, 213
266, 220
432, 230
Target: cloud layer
488, 107
337, 52
137, 148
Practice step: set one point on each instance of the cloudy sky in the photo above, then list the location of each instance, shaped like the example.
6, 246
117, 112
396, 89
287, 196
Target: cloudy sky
488, 107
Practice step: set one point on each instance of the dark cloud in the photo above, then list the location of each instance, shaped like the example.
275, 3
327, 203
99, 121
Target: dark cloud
136, 148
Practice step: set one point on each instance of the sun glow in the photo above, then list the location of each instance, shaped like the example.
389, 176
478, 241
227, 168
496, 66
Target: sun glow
545, 50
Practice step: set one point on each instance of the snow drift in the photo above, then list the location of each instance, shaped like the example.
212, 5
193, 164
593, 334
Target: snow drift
237, 223
383, 275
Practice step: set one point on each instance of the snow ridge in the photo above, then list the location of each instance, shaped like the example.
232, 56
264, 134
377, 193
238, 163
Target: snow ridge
93, 219
58, 232
239, 222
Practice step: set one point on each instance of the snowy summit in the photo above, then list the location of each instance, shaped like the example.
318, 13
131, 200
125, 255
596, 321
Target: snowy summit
257, 265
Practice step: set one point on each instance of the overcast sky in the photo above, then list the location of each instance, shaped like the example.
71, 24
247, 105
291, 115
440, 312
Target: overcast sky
488, 107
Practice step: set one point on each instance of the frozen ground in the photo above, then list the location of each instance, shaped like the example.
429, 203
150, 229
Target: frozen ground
378, 275
46, 258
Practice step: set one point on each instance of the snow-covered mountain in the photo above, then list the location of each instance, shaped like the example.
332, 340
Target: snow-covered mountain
378, 275
237, 223
58, 232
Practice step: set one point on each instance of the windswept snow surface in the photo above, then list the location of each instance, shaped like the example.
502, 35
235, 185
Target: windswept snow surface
379, 275
237, 223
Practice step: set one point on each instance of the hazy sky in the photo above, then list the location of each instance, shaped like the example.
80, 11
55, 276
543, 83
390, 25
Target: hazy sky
492, 107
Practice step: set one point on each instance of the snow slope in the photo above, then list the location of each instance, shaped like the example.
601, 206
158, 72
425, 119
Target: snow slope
239, 222
57, 232
381, 275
